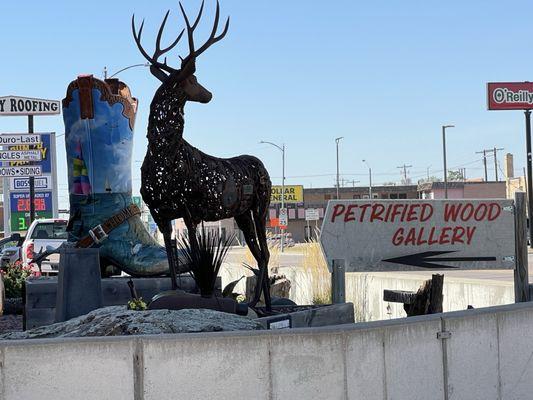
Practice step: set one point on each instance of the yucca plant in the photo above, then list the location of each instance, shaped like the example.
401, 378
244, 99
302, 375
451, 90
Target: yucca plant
205, 253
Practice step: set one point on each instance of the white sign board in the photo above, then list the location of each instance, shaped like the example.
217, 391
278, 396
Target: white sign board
41, 183
283, 217
10, 139
14, 105
311, 214
403, 235
20, 155
21, 171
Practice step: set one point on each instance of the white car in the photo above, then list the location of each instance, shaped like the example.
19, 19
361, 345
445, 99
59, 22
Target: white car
43, 234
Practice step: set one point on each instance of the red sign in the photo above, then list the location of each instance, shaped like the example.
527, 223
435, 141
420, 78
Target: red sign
510, 95
274, 222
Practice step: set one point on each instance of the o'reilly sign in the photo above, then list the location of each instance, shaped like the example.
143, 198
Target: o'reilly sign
510, 96
14, 105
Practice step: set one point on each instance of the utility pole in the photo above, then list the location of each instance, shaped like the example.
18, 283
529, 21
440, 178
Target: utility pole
404, 167
337, 140
484, 152
282, 149
31, 178
496, 162
369, 180
444, 158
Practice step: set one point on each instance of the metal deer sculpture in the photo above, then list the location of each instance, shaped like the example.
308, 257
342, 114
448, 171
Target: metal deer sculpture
178, 180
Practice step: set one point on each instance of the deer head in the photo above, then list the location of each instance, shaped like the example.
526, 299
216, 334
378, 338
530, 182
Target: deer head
182, 78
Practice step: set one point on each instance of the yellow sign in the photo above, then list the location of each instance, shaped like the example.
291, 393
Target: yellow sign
293, 194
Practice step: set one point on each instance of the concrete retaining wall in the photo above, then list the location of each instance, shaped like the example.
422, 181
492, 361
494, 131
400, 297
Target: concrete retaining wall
365, 290
488, 355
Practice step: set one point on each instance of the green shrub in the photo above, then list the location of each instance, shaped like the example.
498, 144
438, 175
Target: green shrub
14, 276
204, 254
137, 304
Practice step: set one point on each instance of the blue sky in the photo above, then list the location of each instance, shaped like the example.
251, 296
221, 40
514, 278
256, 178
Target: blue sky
385, 75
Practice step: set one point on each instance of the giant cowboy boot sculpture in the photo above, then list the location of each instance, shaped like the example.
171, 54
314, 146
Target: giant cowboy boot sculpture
99, 119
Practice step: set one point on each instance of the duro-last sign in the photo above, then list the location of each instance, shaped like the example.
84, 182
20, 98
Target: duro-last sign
510, 95
394, 235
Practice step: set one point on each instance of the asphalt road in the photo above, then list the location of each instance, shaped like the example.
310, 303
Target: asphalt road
294, 257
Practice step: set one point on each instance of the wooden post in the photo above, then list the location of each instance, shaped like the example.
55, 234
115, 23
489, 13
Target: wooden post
435, 296
427, 300
521, 280
338, 282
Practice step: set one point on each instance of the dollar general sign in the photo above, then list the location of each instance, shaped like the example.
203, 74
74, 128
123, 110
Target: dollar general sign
293, 194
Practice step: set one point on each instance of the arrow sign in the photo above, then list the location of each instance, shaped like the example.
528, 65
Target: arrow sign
426, 260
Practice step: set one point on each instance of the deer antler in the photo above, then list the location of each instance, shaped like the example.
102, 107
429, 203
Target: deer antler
212, 38
188, 63
157, 67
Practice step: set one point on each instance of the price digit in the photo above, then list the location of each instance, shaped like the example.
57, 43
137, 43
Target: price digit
22, 224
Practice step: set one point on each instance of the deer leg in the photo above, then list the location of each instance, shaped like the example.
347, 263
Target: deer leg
246, 225
260, 230
166, 229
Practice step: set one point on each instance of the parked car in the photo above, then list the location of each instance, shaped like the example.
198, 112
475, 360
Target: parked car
274, 240
10, 249
43, 234
10, 254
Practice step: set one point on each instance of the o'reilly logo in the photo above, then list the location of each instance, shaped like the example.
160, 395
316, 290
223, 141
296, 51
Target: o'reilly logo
504, 95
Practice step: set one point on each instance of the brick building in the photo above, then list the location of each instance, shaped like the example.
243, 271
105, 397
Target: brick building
463, 190
317, 198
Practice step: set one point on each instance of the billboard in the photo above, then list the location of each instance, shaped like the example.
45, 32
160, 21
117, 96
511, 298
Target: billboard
510, 95
294, 194
15, 105
17, 187
407, 235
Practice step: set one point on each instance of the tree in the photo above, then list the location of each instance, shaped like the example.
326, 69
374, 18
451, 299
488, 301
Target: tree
456, 175
428, 180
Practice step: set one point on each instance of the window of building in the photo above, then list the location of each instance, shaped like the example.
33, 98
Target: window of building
402, 196
393, 196
327, 197
375, 196
356, 196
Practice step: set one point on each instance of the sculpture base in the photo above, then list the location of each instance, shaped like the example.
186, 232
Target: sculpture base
179, 300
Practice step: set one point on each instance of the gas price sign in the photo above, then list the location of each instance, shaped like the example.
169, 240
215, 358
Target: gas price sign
20, 208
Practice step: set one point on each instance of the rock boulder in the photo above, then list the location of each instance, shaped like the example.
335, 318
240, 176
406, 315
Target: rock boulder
118, 321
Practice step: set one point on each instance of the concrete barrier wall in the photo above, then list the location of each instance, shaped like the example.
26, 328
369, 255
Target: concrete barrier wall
488, 354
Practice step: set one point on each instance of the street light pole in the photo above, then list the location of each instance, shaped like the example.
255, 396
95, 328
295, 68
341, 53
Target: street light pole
124, 69
444, 158
369, 180
337, 140
282, 149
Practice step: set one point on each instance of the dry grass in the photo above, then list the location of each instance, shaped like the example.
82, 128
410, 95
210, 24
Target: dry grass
316, 267
313, 265
274, 257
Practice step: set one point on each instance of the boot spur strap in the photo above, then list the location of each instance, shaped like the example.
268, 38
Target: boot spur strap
100, 232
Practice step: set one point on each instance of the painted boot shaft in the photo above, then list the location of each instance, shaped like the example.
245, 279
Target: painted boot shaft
99, 121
